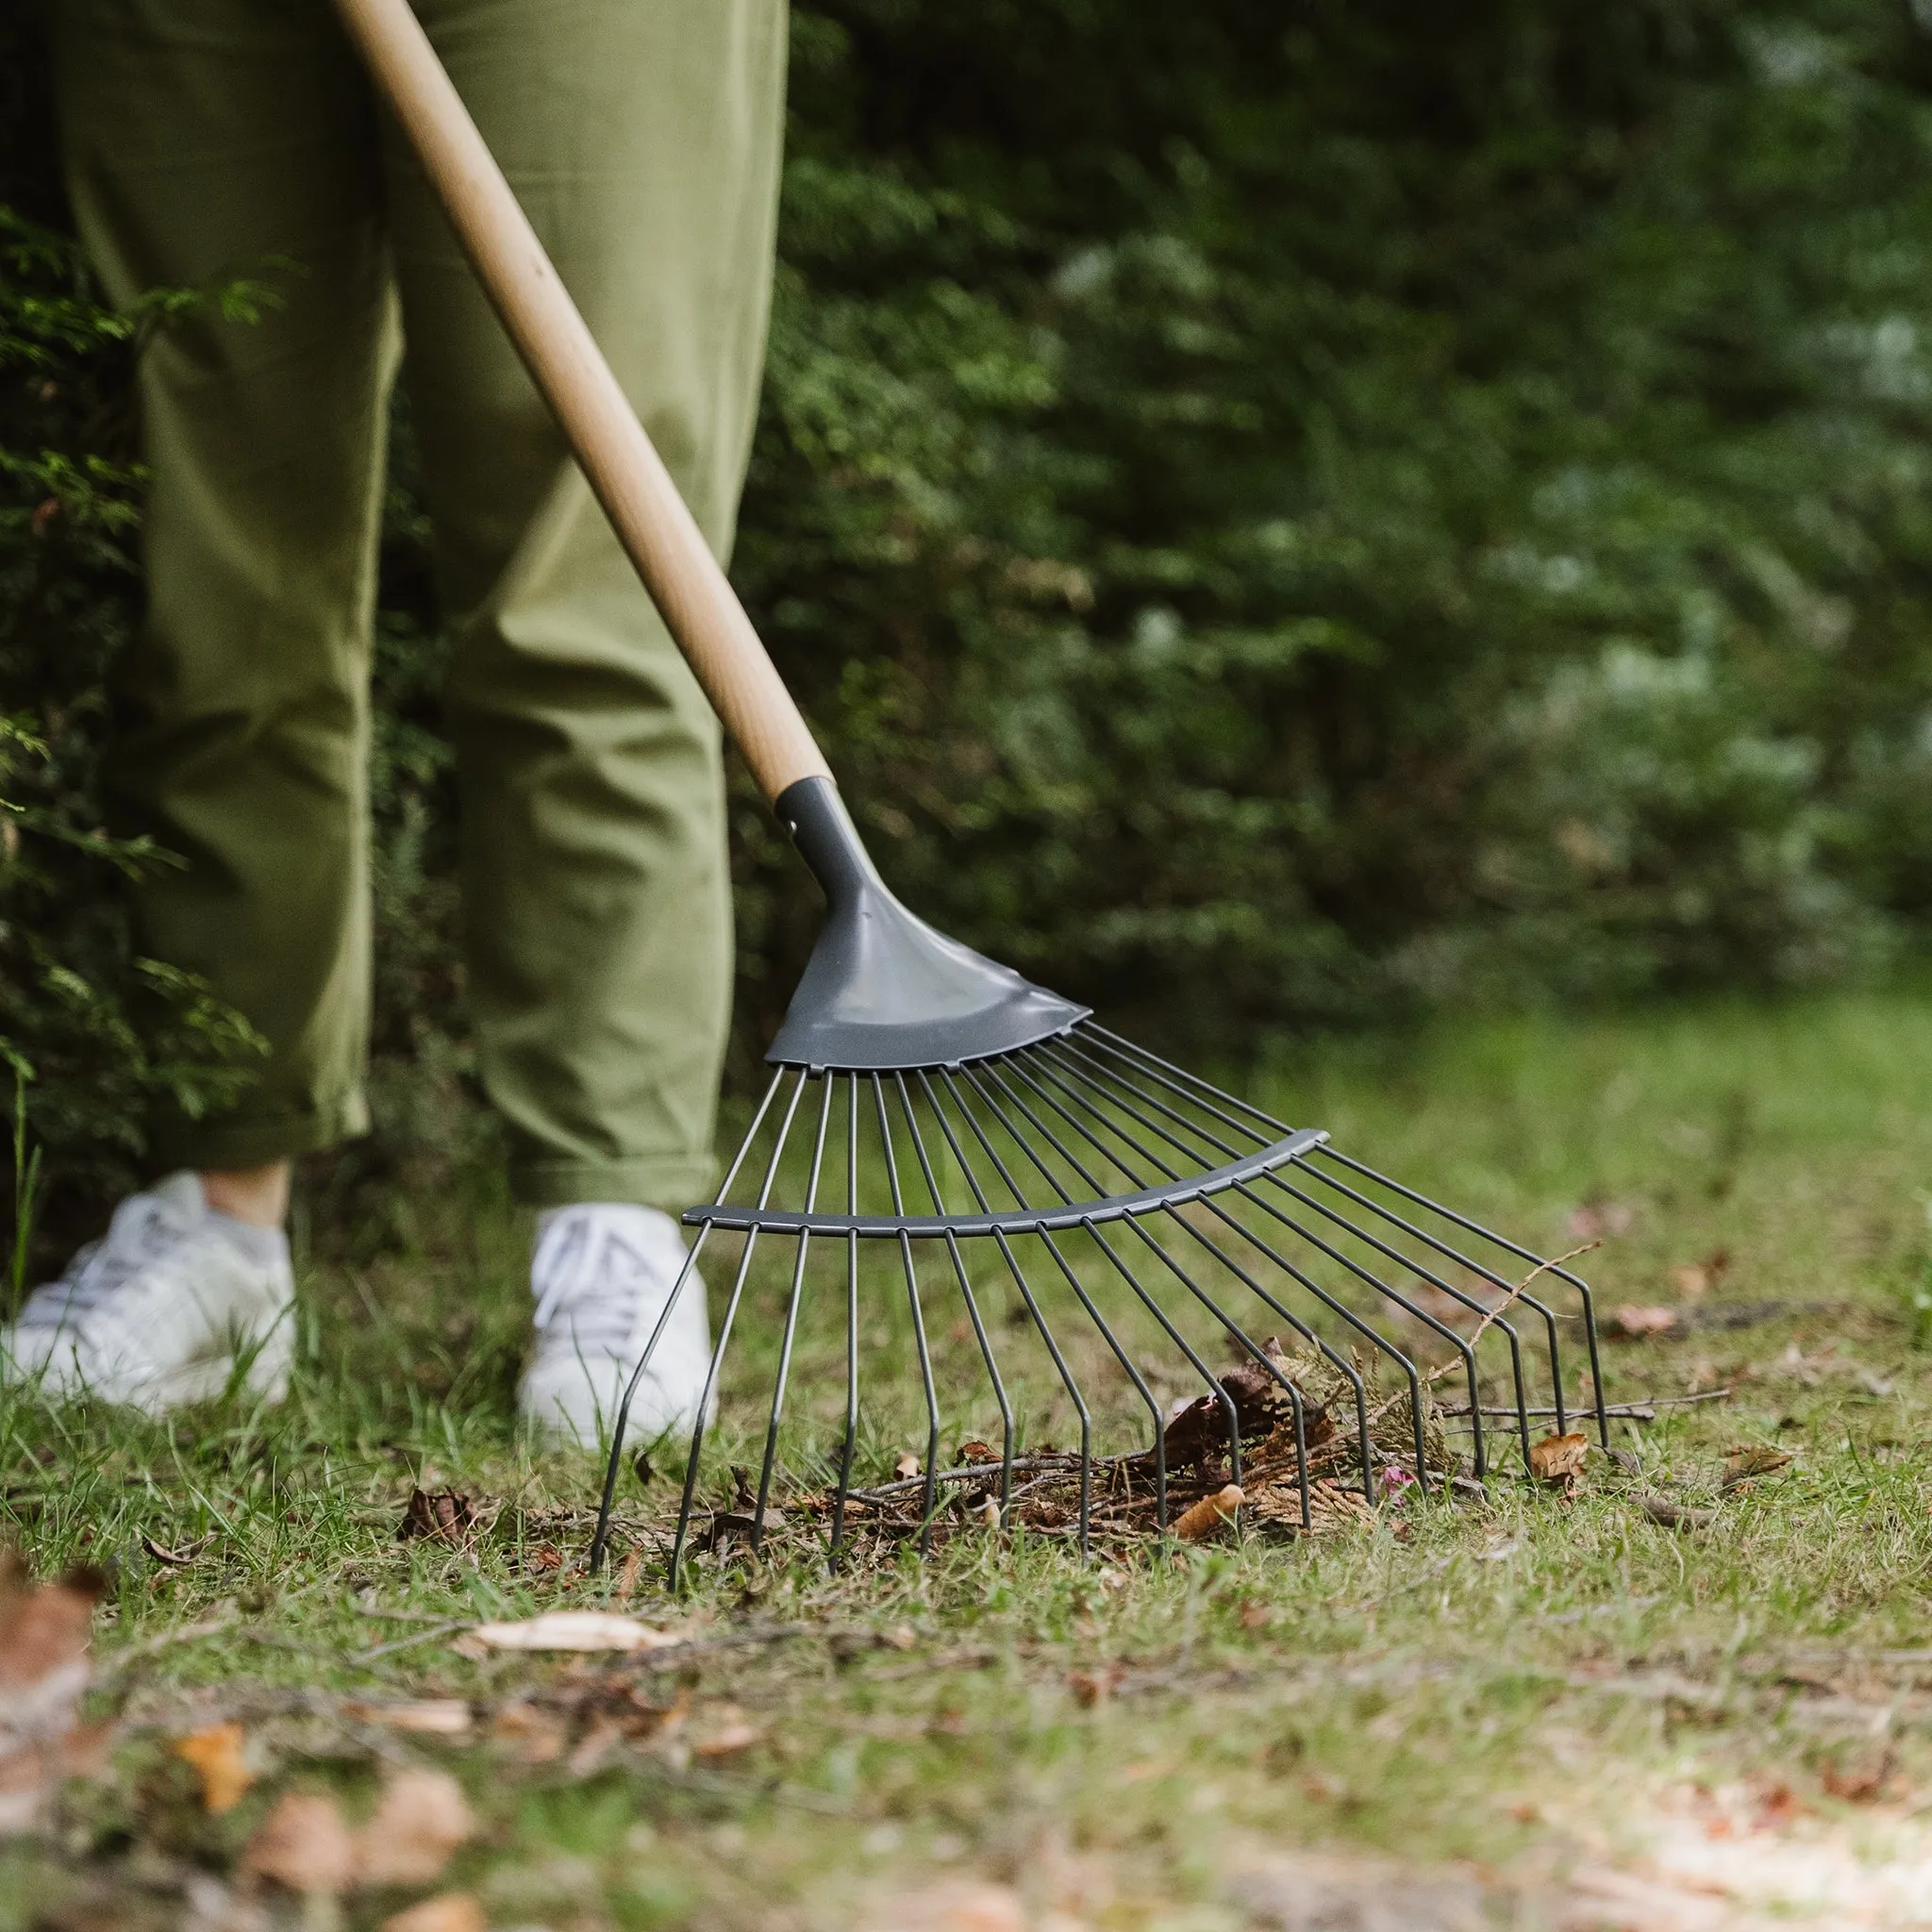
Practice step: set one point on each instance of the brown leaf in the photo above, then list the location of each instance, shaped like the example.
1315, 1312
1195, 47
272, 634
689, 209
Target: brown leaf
419, 1820
1859, 1787
1210, 1515
532, 1736
435, 1717
43, 1639
1744, 1460
43, 1670
731, 1735
1558, 1458
1632, 1323
303, 1845
1091, 1687
1676, 1515
977, 1451
448, 1911
627, 1576
907, 1467
571, 1630
437, 1516
217, 1755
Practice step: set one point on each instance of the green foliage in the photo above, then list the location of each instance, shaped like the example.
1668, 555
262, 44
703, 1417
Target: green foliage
94, 1031
1276, 518
1280, 519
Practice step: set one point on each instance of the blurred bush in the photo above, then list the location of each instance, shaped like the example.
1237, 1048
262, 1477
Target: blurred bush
1281, 518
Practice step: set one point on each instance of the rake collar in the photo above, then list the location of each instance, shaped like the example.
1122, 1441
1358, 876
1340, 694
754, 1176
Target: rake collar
883, 990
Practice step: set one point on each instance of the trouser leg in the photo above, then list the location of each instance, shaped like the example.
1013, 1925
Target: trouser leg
642, 137
203, 137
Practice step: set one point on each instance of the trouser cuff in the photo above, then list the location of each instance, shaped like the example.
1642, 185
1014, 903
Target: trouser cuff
239, 1141
669, 1184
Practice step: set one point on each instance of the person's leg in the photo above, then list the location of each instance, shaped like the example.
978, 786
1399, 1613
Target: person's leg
643, 138
203, 139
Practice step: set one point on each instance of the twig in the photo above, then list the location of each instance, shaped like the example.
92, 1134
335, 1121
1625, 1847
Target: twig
1643, 1411
434, 1631
1496, 1313
187, 1633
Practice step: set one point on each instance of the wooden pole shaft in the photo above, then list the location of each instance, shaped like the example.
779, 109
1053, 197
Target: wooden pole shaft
624, 468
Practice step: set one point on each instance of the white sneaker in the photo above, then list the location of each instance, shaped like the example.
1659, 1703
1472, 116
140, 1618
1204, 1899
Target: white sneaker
601, 1275
156, 1313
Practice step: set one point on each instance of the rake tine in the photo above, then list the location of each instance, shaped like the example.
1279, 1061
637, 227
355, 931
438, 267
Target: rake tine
1128, 1274
1468, 1301
960, 1274
811, 1196
1234, 1328
1369, 1333
1046, 1334
1375, 1281
844, 1490
929, 1500
1069, 1051
1247, 1234
1190, 1086
751, 1241
1129, 1367
1200, 1294
1522, 1254
600, 1539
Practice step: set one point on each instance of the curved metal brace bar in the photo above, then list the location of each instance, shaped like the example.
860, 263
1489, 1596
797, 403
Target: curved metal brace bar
1052, 1220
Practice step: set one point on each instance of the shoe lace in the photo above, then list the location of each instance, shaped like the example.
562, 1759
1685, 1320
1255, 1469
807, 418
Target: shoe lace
142, 1230
592, 1278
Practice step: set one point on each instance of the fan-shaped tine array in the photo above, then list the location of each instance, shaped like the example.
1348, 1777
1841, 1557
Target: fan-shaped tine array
1080, 1233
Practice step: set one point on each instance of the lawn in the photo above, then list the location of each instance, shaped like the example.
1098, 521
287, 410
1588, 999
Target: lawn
1689, 1689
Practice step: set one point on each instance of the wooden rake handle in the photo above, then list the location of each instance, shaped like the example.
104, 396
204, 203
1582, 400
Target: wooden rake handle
625, 471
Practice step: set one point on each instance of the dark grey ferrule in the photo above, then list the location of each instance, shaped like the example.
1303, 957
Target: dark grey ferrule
883, 991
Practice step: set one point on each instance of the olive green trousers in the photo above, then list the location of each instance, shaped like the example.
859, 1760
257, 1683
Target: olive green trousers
204, 141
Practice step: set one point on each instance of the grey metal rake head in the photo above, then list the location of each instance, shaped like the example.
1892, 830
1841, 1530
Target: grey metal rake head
978, 1134
953, 1135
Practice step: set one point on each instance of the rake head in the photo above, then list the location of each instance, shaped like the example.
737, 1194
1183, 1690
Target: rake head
948, 1158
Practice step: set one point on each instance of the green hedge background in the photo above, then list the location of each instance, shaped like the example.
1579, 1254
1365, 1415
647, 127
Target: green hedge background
1286, 516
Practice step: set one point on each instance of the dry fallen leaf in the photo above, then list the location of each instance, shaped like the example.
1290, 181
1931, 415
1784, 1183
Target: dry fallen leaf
43, 1670
951, 1906
570, 1630
438, 1515
1633, 1322
419, 1820
435, 1717
1676, 1515
732, 1734
627, 1576
532, 1736
907, 1467
1745, 1459
1859, 1787
988, 1511
1095, 1686
1558, 1458
448, 1911
1203, 1518
302, 1844
217, 1755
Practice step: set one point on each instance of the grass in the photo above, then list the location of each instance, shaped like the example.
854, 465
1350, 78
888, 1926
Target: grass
1534, 1697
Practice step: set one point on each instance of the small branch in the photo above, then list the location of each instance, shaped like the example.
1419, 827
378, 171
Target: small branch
1508, 1301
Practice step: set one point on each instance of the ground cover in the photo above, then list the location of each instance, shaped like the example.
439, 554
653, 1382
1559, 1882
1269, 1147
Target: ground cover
1688, 1687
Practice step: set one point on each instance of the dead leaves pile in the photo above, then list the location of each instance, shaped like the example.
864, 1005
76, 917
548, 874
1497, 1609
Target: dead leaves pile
1203, 1498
